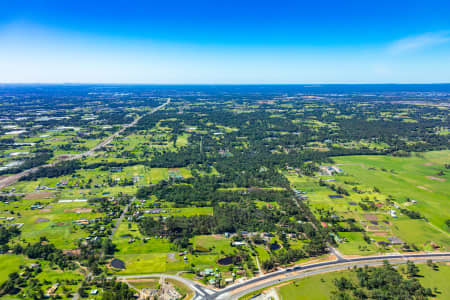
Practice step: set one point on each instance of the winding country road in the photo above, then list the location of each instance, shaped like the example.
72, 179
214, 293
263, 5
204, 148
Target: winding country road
6, 181
237, 290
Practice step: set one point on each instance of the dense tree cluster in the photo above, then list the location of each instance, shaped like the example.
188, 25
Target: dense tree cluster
116, 290
60, 169
384, 282
38, 159
6, 233
226, 218
45, 251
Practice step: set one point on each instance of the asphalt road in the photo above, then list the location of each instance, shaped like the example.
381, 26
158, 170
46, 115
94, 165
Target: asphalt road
6, 181
297, 275
237, 290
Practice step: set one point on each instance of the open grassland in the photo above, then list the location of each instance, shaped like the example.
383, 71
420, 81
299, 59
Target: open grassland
412, 177
144, 283
356, 245
158, 174
54, 221
10, 263
157, 255
351, 243
316, 287
400, 178
420, 233
123, 235
149, 263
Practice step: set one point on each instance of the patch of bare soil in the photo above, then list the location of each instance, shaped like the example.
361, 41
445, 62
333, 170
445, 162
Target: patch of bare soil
380, 233
79, 210
424, 188
429, 163
39, 195
72, 252
371, 217
40, 220
64, 156
171, 257
436, 178
45, 210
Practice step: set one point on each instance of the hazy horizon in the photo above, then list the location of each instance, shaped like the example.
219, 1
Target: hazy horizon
201, 42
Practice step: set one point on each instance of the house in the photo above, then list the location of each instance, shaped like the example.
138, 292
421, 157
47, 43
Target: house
395, 240
393, 213
208, 272
238, 243
94, 292
52, 289
382, 243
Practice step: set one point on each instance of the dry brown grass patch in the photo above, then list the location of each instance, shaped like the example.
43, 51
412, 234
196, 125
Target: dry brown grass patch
39, 195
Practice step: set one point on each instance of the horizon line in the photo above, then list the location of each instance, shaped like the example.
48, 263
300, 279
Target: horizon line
212, 84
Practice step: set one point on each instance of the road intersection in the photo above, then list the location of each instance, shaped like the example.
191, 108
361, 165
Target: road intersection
237, 290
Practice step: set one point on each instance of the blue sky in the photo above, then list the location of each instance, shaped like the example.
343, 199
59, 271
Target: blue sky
225, 41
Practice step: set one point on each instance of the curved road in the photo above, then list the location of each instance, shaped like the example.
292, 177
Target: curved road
237, 290
4, 182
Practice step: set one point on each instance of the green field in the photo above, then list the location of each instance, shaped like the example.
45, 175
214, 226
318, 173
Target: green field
414, 177
55, 221
320, 287
397, 178
10, 263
